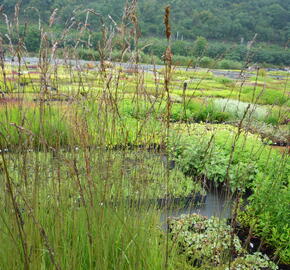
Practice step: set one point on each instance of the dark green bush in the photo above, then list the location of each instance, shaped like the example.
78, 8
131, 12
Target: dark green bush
88, 54
229, 64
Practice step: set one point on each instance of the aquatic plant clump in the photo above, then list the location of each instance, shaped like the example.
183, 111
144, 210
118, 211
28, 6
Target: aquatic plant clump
210, 241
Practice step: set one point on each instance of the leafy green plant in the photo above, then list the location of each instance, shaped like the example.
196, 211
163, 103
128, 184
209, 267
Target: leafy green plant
229, 64
209, 242
268, 214
211, 156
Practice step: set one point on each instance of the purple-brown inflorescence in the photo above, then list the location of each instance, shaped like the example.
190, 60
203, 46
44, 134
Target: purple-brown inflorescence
166, 22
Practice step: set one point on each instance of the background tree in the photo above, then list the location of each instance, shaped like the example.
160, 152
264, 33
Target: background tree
200, 46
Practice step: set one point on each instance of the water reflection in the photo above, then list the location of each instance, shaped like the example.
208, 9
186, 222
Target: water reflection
215, 204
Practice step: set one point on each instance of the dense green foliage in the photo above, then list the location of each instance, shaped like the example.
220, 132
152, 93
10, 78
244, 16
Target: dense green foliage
260, 53
197, 234
228, 25
242, 162
214, 19
224, 157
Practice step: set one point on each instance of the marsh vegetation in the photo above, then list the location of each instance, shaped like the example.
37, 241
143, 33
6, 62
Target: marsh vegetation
96, 157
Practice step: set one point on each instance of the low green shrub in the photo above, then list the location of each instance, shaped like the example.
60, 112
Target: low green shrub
206, 62
191, 111
196, 236
267, 212
180, 60
207, 150
88, 54
229, 64
151, 59
225, 81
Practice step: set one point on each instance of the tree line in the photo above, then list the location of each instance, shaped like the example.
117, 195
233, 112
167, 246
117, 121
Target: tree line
227, 20
226, 26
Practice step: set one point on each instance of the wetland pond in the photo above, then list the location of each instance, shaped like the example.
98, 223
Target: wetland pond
135, 177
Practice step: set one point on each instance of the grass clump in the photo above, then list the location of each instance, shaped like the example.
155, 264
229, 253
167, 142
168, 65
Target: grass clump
75, 217
33, 127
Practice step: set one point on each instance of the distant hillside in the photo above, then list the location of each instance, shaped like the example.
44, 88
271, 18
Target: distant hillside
226, 20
